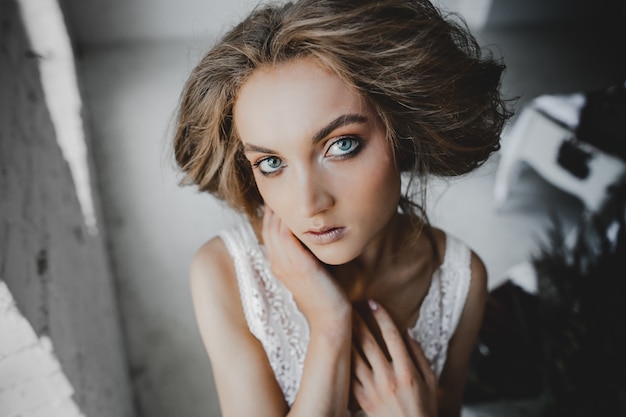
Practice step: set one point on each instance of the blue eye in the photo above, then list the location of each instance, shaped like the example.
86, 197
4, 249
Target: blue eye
269, 165
343, 146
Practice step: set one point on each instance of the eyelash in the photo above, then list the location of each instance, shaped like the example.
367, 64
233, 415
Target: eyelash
257, 164
354, 149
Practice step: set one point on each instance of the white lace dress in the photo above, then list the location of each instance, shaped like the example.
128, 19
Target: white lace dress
275, 320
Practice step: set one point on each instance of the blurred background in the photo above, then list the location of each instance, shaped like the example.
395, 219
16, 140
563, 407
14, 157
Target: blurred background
132, 311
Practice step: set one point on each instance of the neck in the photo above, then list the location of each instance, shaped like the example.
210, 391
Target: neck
362, 277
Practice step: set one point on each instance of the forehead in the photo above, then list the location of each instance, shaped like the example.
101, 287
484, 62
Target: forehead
292, 99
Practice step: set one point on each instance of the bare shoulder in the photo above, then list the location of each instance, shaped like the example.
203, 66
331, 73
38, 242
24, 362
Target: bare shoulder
454, 374
471, 317
235, 354
477, 295
478, 285
214, 287
212, 267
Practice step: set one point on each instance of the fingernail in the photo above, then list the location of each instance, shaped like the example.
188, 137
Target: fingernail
372, 304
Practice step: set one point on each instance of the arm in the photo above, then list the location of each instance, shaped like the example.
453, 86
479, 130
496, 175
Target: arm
245, 381
324, 387
454, 376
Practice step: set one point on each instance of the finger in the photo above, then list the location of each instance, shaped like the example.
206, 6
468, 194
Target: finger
271, 240
372, 352
284, 231
361, 395
277, 232
362, 384
268, 216
391, 335
287, 236
360, 369
421, 361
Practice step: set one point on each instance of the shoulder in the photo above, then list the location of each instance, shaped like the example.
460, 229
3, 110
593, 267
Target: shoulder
211, 254
465, 255
235, 354
214, 287
476, 292
466, 270
478, 284
457, 364
211, 266
217, 303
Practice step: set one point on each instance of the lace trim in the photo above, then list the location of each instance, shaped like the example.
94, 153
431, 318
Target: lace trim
270, 310
275, 320
441, 309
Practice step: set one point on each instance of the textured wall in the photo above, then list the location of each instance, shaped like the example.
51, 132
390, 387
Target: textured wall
32, 383
58, 274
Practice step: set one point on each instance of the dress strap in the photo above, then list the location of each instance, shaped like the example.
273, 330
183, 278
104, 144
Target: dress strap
443, 305
270, 310
456, 279
242, 244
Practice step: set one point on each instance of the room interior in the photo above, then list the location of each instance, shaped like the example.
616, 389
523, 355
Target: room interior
131, 64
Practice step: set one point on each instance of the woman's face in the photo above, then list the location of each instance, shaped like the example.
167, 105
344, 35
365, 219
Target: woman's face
320, 158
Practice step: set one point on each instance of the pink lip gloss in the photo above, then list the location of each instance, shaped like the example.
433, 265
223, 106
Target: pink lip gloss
327, 236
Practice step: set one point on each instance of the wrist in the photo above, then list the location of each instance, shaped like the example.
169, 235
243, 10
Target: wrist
332, 325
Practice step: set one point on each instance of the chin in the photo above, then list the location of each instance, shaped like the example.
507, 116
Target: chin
333, 256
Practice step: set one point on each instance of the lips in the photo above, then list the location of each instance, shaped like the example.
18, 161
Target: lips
325, 235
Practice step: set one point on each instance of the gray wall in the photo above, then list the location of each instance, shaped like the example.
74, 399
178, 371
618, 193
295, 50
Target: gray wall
97, 22
93, 22
154, 226
509, 13
58, 274
117, 21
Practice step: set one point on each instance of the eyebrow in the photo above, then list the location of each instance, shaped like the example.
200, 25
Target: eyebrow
343, 120
340, 121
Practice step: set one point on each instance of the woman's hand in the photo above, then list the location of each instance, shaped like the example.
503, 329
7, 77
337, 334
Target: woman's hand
402, 386
317, 294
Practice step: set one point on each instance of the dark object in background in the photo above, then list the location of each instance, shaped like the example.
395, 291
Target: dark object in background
565, 346
602, 124
603, 120
574, 158
582, 292
506, 363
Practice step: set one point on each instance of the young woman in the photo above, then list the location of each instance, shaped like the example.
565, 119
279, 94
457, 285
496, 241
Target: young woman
335, 293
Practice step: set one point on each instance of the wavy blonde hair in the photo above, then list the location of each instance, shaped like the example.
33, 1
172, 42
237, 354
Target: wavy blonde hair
424, 74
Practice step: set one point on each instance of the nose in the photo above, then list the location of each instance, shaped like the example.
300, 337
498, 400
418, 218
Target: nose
314, 194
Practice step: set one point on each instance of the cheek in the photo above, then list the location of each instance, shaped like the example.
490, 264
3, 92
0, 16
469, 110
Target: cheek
384, 189
374, 193
379, 178
273, 194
